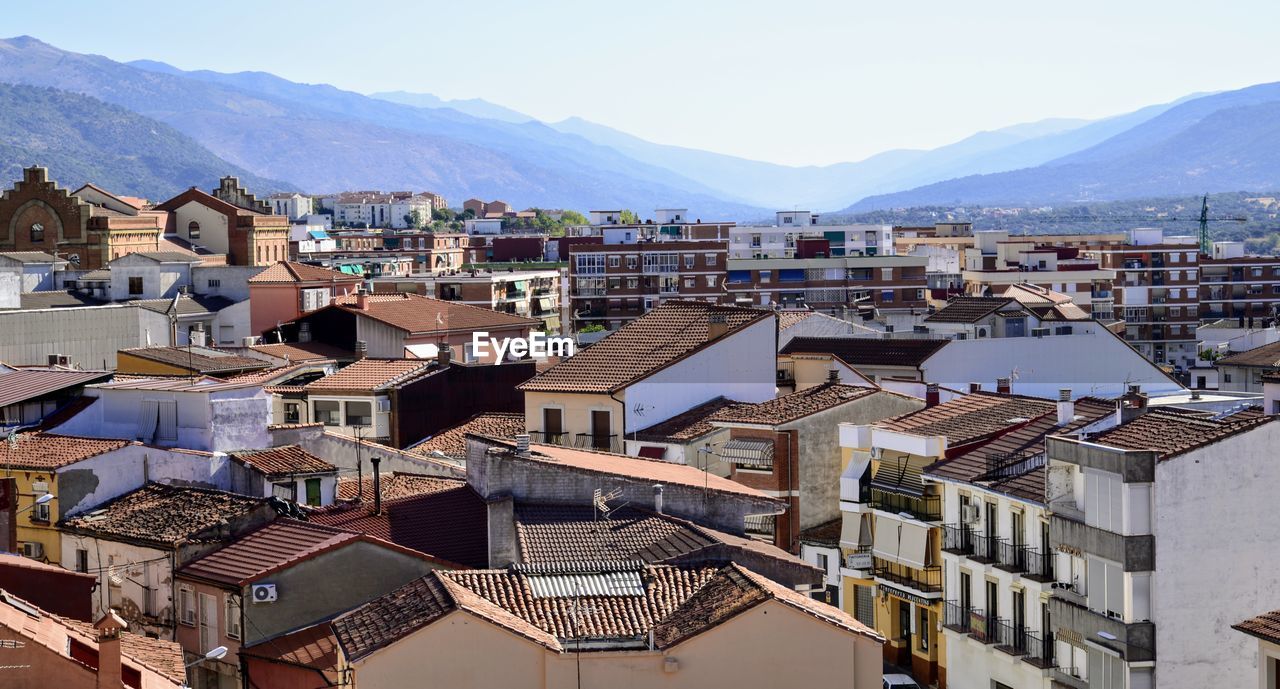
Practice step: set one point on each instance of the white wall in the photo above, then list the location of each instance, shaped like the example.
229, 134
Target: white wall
1094, 363
212, 422
740, 366
129, 468
1217, 558
214, 233
91, 336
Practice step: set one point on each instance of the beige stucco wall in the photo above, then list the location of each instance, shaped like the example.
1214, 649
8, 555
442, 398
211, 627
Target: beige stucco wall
214, 234
769, 646
576, 408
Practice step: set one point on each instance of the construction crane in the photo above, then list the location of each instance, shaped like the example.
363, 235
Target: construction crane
1203, 219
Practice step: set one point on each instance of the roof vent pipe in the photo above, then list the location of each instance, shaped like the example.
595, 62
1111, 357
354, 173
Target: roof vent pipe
657, 498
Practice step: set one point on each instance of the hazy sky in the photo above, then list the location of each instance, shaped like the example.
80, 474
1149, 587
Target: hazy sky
789, 81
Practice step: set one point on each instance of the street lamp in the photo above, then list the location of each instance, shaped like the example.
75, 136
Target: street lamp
216, 653
44, 499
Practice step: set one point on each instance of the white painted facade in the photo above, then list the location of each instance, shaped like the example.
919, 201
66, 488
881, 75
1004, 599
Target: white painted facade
293, 205
131, 467
134, 276
779, 241
211, 228
90, 335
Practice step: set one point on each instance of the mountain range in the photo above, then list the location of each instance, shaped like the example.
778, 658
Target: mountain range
278, 134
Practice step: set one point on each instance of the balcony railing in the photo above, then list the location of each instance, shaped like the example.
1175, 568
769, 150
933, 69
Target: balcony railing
1039, 565
957, 539
981, 626
956, 617
927, 580
1038, 648
1009, 638
595, 441
985, 548
549, 438
925, 508
1011, 557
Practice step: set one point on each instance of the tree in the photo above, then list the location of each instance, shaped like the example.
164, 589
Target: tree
573, 218
442, 215
628, 217
414, 219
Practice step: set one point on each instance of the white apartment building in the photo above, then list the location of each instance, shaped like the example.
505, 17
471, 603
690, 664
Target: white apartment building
781, 240
295, 206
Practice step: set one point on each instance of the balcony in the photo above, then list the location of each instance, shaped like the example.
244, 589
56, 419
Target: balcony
1011, 557
1038, 648
1039, 566
926, 508
1071, 677
1133, 641
549, 438
956, 617
1009, 638
957, 539
986, 549
981, 626
596, 441
926, 581
589, 292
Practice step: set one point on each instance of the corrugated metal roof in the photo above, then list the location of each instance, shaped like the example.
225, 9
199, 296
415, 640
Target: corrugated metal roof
587, 584
24, 384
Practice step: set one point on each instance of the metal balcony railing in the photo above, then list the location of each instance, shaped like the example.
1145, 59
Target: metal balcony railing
1038, 648
927, 580
1039, 565
957, 539
595, 441
955, 616
1008, 637
1011, 557
985, 548
549, 438
980, 626
925, 508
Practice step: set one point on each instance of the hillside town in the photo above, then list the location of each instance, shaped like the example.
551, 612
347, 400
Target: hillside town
299, 441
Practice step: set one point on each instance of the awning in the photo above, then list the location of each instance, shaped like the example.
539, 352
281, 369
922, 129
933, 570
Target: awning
147, 417
901, 540
422, 351
652, 451
886, 543
546, 303
855, 530
760, 523
754, 454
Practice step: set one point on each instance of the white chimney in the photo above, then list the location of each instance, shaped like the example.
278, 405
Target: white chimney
522, 444
657, 498
1066, 408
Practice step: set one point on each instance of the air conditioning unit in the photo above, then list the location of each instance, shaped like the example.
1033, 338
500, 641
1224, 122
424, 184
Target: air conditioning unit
875, 453
33, 550
263, 593
970, 513
250, 341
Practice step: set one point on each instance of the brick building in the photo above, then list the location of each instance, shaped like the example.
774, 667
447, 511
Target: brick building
831, 285
612, 284
38, 215
1233, 285
229, 221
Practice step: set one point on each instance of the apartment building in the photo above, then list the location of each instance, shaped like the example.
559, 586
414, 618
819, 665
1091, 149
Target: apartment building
528, 293
1156, 293
997, 558
396, 210
1160, 547
835, 285
612, 284
376, 254
996, 262
797, 234
291, 205
1236, 286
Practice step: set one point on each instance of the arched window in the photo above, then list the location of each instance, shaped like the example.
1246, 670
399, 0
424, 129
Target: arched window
193, 230
37, 233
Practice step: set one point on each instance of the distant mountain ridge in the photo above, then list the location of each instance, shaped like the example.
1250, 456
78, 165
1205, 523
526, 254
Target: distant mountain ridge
82, 139
1215, 143
477, 107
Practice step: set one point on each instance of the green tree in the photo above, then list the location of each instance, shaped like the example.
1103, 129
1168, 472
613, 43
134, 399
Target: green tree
628, 217
442, 215
572, 218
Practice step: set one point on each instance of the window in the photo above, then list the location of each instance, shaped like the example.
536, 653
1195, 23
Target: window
922, 630
327, 412
711, 280
710, 260
193, 230
359, 413
689, 283
39, 513
615, 261
823, 563
214, 284
886, 295
766, 276
292, 412
589, 264
632, 283
37, 233
135, 286
187, 606
1105, 587
82, 560
313, 492
285, 490
208, 621
632, 262
690, 260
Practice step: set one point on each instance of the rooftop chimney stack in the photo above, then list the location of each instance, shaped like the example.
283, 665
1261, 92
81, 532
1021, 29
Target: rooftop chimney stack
444, 355
1004, 386
362, 349
304, 332
109, 671
1066, 407
522, 444
833, 374
975, 387
362, 299
931, 395
657, 498
717, 326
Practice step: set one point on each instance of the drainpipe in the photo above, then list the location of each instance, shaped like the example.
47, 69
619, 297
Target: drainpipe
793, 516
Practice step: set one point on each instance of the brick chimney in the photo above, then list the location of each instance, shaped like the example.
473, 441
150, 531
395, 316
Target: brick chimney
109, 672
1004, 386
931, 395
362, 300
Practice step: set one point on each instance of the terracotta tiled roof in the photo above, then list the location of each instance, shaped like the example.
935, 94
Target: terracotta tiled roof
786, 319
1265, 626
162, 514
968, 309
197, 359
29, 383
674, 602
447, 524
368, 375
689, 425
864, 351
971, 417
417, 314
289, 272
796, 405
395, 486
313, 647
1266, 356
665, 335
50, 451
270, 549
267, 376
827, 533
653, 470
1170, 435
163, 657
303, 351
452, 441
284, 461
1024, 441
